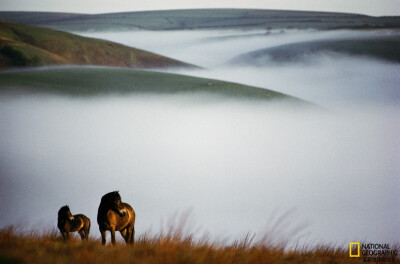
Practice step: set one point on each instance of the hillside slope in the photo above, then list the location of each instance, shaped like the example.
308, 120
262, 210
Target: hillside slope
90, 81
383, 47
24, 45
200, 19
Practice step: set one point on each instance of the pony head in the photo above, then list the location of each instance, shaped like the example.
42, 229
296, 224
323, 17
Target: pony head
113, 201
65, 213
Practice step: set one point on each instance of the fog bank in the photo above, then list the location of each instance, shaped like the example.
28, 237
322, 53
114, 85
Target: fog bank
236, 165
333, 80
211, 48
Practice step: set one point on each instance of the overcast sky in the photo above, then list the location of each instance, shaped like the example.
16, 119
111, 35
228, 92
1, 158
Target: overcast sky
369, 7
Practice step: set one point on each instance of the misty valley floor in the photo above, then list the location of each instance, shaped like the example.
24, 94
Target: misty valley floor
220, 160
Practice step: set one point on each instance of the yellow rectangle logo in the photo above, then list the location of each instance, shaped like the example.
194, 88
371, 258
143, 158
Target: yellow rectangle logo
354, 246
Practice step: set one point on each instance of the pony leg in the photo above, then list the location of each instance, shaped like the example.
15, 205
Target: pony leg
87, 231
64, 235
103, 236
132, 238
113, 235
82, 234
130, 235
124, 233
87, 235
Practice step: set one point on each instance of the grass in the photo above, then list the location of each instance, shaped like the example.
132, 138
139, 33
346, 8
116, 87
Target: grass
23, 45
171, 247
176, 242
91, 81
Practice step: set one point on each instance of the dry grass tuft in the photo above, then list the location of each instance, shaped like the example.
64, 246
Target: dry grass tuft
172, 245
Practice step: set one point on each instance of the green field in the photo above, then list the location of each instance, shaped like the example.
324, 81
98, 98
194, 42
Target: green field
384, 48
89, 81
23, 45
201, 19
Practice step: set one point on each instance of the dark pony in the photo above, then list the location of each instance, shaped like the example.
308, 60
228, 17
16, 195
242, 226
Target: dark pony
114, 215
70, 223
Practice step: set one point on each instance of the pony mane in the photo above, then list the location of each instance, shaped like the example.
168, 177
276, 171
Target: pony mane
63, 210
109, 197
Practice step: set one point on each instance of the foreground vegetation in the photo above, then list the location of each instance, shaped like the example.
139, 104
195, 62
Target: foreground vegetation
172, 247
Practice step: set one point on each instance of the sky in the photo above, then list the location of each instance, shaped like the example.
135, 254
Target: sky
368, 7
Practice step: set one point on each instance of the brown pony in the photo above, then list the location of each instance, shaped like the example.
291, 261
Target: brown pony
70, 223
114, 215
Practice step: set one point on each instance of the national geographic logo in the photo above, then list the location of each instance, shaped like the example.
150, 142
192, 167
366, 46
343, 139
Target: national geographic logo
354, 249
373, 252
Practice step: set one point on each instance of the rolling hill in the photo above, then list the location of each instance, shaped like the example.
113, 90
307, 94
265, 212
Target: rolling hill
23, 45
383, 47
200, 19
91, 81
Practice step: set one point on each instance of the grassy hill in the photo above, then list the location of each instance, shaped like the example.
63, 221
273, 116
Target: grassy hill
24, 45
201, 19
173, 247
385, 48
88, 81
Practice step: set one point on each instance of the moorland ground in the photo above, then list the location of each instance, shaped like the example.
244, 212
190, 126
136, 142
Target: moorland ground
172, 247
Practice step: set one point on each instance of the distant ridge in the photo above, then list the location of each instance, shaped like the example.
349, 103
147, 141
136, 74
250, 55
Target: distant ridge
382, 47
200, 19
22, 45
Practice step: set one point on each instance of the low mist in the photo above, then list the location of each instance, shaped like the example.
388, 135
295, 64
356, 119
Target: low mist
211, 48
333, 80
237, 165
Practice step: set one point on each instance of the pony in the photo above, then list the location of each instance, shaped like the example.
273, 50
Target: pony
67, 223
114, 215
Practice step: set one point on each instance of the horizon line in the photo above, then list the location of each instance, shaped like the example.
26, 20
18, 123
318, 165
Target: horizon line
187, 9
